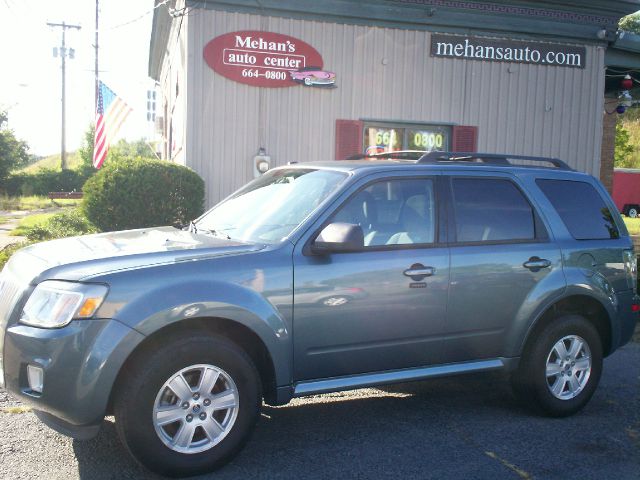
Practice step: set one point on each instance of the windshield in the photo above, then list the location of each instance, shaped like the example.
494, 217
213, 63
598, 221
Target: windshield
268, 209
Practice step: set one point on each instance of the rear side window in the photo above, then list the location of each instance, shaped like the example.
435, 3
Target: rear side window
581, 208
491, 210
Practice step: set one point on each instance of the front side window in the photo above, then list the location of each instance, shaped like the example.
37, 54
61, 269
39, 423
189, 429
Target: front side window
393, 212
491, 210
268, 209
581, 208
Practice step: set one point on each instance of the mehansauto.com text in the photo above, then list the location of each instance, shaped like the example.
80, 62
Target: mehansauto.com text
484, 49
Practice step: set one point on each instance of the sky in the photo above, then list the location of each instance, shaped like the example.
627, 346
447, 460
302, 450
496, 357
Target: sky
30, 78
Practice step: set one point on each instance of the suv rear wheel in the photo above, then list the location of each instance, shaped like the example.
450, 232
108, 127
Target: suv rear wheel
188, 407
560, 367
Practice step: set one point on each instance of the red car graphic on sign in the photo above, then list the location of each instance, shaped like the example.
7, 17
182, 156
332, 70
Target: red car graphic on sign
314, 76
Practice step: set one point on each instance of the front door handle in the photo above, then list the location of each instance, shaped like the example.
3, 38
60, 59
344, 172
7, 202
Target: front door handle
417, 272
536, 263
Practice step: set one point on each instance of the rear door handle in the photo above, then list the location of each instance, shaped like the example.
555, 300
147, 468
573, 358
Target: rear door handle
536, 263
417, 271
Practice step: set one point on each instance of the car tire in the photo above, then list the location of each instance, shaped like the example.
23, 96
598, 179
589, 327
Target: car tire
560, 367
632, 212
174, 435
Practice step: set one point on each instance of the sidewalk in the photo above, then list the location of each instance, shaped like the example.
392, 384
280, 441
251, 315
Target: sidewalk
12, 219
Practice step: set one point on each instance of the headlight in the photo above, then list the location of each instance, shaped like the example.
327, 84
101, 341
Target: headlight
54, 304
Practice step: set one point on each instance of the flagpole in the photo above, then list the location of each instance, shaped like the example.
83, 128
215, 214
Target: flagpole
95, 103
63, 146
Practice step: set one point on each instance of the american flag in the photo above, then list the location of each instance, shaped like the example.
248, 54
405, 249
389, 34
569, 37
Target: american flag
111, 112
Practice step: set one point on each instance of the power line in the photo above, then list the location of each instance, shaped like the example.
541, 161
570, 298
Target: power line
136, 19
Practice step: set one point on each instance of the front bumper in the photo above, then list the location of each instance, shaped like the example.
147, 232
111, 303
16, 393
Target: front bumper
80, 363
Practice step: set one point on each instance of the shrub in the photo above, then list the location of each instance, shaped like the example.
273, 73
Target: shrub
69, 223
44, 181
137, 193
9, 250
66, 224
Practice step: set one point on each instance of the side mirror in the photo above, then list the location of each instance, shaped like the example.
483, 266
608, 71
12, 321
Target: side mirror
339, 237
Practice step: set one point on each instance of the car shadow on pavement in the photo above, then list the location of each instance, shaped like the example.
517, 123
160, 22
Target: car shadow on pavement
104, 457
327, 432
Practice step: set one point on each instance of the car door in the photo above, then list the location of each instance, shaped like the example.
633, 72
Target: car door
503, 263
382, 307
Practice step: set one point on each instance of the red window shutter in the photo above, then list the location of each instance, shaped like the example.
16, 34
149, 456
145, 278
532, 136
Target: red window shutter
349, 139
465, 139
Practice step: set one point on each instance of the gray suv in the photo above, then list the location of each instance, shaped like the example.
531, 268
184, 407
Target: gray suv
315, 278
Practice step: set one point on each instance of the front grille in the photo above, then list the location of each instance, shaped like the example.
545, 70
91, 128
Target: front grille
10, 293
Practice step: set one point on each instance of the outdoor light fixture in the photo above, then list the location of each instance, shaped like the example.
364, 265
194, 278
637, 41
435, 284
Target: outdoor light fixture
261, 162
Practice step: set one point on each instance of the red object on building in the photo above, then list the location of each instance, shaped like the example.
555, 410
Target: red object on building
260, 59
348, 138
626, 190
465, 138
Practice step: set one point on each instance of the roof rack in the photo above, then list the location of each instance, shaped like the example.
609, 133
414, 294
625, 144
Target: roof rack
488, 158
400, 154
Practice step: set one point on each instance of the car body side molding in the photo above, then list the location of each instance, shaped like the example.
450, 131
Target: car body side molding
349, 382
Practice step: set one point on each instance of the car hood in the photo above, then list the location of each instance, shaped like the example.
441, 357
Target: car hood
79, 258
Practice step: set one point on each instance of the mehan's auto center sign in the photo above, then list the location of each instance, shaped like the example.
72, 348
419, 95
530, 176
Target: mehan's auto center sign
266, 59
503, 50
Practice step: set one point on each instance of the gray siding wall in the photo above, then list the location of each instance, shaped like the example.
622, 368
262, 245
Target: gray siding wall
520, 109
173, 91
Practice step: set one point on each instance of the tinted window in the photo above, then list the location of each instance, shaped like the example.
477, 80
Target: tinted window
393, 212
491, 210
581, 208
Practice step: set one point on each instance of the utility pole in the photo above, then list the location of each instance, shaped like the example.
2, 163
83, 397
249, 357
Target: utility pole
63, 55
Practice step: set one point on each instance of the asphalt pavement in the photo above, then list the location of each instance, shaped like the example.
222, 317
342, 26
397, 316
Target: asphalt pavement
467, 427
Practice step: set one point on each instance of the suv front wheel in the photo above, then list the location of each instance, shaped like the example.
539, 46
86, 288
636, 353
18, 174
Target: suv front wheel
560, 367
187, 407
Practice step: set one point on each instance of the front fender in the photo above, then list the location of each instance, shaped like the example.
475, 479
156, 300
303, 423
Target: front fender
160, 307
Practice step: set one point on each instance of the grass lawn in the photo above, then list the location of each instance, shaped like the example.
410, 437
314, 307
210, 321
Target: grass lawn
34, 203
633, 225
27, 223
53, 161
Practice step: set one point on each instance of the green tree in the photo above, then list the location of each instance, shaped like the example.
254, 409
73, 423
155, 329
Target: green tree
86, 152
119, 151
137, 149
14, 153
623, 157
630, 23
